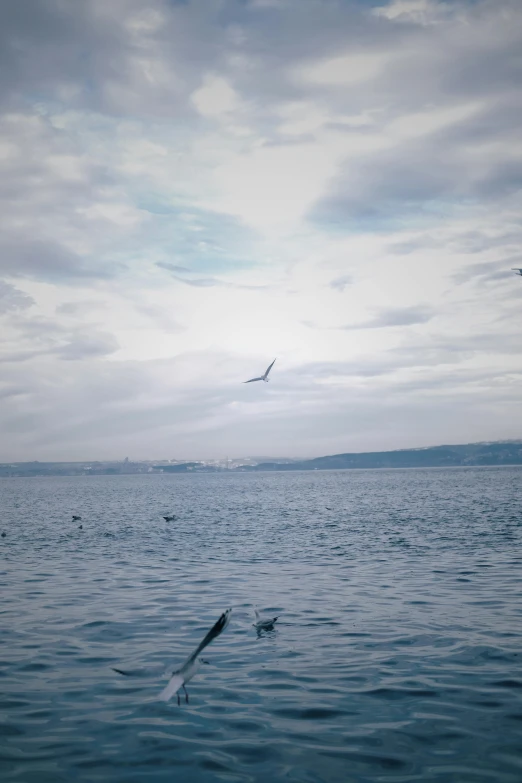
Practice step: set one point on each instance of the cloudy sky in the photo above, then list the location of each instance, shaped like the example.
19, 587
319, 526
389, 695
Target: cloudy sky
191, 188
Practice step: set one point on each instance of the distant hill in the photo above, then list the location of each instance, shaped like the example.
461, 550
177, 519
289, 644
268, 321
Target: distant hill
187, 467
498, 453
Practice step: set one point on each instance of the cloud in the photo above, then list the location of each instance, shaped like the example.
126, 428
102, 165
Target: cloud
82, 346
421, 12
197, 282
23, 257
173, 267
487, 271
11, 357
464, 242
432, 155
203, 282
49, 191
79, 309
12, 299
395, 316
124, 408
435, 351
38, 337
162, 318
340, 283
9, 391
215, 97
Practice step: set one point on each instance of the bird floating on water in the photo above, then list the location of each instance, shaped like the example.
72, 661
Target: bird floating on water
262, 377
76, 518
170, 518
264, 625
516, 271
183, 675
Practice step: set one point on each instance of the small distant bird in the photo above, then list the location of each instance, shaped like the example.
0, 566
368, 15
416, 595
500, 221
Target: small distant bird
80, 527
191, 665
262, 377
264, 625
516, 271
170, 518
76, 518
4, 534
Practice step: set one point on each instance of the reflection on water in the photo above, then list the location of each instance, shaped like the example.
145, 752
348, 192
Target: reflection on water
397, 655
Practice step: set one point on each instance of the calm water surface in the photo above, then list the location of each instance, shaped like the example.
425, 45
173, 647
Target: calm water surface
398, 655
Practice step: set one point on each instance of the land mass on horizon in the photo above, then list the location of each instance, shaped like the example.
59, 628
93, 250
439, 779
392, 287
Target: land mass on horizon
461, 455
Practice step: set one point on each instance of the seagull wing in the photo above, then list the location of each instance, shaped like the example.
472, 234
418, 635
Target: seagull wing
177, 679
214, 632
269, 368
254, 379
172, 687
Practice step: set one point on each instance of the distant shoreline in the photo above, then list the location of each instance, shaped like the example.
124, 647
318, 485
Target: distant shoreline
267, 471
471, 455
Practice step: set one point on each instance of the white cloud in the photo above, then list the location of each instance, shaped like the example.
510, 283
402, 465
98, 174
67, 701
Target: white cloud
301, 118
421, 12
215, 97
345, 70
273, 186
432, 120
123, 215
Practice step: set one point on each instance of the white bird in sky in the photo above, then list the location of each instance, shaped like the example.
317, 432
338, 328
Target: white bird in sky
262, 377
184, 674
517, 271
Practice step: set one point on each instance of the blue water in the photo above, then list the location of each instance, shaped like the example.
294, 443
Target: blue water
398, 655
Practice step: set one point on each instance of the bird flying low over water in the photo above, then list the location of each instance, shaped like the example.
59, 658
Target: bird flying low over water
517, 271
181, 676
262, 377
264, 625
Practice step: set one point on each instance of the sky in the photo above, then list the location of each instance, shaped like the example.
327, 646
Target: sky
190, 188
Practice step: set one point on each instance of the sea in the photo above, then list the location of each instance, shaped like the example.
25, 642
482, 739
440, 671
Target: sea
397, 655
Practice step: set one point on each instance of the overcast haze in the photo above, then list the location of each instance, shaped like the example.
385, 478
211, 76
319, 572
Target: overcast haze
189, 189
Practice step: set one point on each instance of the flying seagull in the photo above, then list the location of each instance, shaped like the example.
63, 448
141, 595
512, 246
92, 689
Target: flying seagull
264, 625
262, 377
191, 665
517, 271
